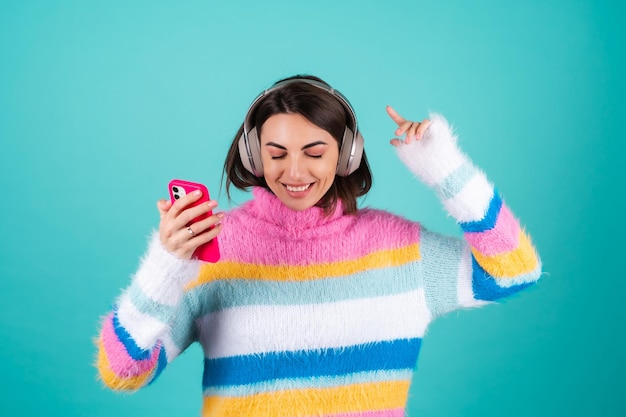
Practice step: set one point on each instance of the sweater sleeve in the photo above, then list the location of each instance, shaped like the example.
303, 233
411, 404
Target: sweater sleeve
496, 257
147, 328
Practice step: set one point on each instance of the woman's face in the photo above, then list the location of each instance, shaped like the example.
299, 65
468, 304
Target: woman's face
299, 159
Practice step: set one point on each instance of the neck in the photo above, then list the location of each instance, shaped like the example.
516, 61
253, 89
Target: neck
282, 220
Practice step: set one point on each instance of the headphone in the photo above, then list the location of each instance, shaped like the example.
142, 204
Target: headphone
350, 151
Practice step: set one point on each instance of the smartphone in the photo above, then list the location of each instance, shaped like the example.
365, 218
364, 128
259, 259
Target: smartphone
208, 252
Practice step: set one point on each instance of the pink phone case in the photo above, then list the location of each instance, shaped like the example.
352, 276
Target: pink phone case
208, 252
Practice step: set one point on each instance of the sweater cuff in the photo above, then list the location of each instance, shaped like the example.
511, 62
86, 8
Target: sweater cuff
438, 162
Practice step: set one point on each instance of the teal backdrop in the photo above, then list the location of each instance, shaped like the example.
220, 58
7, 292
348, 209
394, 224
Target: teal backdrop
102, 103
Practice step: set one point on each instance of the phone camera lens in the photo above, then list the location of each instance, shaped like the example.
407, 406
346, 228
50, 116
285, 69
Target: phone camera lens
176, 196
175, 189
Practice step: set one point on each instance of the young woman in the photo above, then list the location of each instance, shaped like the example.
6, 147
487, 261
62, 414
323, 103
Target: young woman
316, 307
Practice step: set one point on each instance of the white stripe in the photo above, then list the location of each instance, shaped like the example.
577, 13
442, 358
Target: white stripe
465, 293
472, 202
144, 329
262, 328
171, 350
424, 316
162, 275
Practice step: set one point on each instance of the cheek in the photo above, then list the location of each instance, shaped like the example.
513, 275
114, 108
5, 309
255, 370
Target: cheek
269, 165
330, 167
269, 172
325, 173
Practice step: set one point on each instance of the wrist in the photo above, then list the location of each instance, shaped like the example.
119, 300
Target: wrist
436, 156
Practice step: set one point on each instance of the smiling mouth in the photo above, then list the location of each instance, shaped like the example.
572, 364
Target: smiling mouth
297, 189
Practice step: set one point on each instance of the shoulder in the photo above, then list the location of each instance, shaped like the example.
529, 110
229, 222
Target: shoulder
374, 215
386, 226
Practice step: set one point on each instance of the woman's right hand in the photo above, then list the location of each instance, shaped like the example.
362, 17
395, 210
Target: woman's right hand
180, 237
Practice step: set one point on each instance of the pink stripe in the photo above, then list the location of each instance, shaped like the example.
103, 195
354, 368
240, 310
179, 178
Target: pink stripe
504, 237
377, 230
398, 412
121, 363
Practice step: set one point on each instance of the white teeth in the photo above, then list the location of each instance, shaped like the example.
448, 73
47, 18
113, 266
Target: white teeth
297, 189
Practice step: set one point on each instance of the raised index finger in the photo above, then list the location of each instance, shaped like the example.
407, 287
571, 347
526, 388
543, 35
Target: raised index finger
395, 116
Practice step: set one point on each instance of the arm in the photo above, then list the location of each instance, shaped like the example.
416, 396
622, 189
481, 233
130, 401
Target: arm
497, 258
135, 342
153, 321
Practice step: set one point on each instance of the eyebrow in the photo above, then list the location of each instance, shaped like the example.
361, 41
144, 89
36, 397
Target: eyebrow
307, 146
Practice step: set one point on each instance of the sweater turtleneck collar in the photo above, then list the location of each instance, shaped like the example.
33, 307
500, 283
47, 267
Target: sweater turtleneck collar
280, 220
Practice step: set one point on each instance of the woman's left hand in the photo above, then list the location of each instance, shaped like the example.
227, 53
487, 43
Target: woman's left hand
411, 130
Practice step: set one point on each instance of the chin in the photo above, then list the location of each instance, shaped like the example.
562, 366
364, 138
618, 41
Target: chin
295, 203
298, 207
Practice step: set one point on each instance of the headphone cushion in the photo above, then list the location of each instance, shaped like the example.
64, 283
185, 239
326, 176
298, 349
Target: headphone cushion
358, 153
350, 153
250, 152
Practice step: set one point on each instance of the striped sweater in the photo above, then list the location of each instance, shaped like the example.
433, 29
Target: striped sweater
313, 315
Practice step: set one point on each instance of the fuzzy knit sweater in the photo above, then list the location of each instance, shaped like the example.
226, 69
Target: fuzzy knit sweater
313, 315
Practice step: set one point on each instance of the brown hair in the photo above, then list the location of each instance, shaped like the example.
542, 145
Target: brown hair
323, 110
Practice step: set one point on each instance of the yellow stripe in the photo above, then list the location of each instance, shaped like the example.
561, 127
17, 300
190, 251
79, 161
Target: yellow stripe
233, 270
511, 264
114, 381
310, 402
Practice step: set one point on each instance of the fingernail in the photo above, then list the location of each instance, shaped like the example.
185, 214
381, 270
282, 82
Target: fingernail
220, 215
197, 193
212, 203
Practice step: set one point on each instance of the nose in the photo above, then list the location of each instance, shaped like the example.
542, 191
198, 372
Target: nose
296, 167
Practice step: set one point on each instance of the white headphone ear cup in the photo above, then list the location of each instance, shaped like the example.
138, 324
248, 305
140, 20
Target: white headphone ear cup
358, 154
350, 153
243, 153
250, 152
344, 152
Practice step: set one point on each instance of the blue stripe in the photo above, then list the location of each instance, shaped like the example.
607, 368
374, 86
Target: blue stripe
489, 221
161, 363
250, 369
441, 258
485, 287
456, 180
366, 284
133, 350
148, 306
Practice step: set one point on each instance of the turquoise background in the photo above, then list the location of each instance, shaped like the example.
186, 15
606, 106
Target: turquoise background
102, 103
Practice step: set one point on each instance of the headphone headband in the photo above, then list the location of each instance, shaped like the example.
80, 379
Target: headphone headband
351, 147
